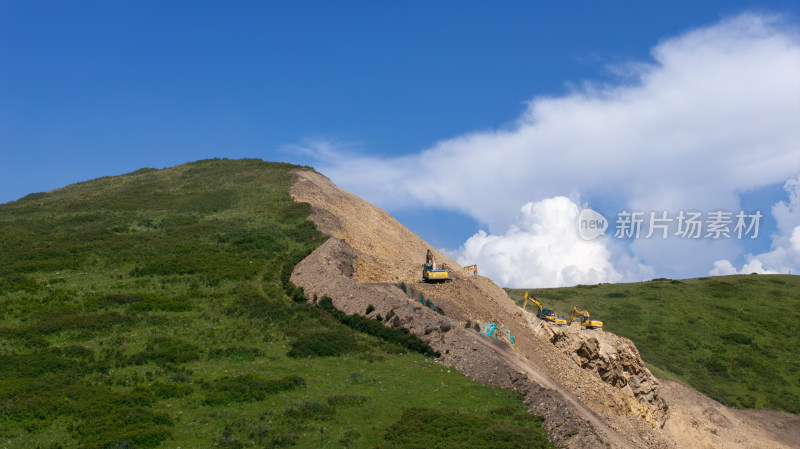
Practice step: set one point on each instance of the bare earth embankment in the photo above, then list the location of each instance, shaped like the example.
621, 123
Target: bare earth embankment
591, 386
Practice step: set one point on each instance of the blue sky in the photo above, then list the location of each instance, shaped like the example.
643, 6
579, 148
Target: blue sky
90, 89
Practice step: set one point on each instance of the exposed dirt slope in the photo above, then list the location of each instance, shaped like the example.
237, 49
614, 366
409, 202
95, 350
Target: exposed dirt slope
697, 421
370, 230
592, 387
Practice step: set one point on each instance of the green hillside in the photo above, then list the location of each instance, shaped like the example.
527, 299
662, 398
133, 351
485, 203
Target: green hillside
153, 309
734, 338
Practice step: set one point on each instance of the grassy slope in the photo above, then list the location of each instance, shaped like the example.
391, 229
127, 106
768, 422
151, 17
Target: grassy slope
735, 338
150, 310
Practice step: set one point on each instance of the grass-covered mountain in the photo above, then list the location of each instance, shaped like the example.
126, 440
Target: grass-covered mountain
153, 309
734, 338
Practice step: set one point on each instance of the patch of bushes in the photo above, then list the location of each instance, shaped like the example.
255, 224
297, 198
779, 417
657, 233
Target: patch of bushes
296, 293
166, 350
38, 363
103, 417
309, 410
142, 302
346, 399
14, 282
83, 324
155, 303
399, 336
247, 388
171, 390
241, 353
424, 428
123, 427
249, 303
736, 338
323, 343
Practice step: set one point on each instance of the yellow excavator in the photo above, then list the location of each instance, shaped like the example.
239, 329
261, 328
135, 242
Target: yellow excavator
582, 315
544, 314
430, 273
471, 269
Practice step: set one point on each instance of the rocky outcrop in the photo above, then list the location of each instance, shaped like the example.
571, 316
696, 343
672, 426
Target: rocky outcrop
614, 359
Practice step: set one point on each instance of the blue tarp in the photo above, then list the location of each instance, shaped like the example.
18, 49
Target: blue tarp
488, 329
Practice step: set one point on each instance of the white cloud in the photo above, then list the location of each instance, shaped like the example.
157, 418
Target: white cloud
715, 113
785, 254
543, 249
723, 268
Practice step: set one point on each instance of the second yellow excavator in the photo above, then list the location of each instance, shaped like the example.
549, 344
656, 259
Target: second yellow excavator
582, 315
545, 314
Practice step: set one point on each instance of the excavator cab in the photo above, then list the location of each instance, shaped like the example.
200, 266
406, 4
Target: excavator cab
544, 314
430, 272
582, 315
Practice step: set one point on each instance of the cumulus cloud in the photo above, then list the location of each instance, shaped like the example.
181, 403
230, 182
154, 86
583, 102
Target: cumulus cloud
543, 249
714, 113
785, 254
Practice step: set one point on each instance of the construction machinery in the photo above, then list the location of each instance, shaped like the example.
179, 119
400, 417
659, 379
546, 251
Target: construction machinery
471, 269
582, 315
544, 314
432, 273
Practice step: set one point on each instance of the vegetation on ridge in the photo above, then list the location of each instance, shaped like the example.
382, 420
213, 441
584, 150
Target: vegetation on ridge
151, 310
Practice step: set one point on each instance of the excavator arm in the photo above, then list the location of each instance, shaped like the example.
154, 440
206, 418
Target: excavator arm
582, 315
534, 301
471, 269
545, 314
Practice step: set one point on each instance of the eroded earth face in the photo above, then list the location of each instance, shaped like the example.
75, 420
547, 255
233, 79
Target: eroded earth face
592, 386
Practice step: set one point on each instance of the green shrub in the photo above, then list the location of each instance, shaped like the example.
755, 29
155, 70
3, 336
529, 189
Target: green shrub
14, 282
171, 390
155, 303
309, 410
166, 350
346, 399
247, 388
235, 353
34, 364
86, 324
75, 352
425, 428
117, 426
393, 335
250, 304
323, 343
